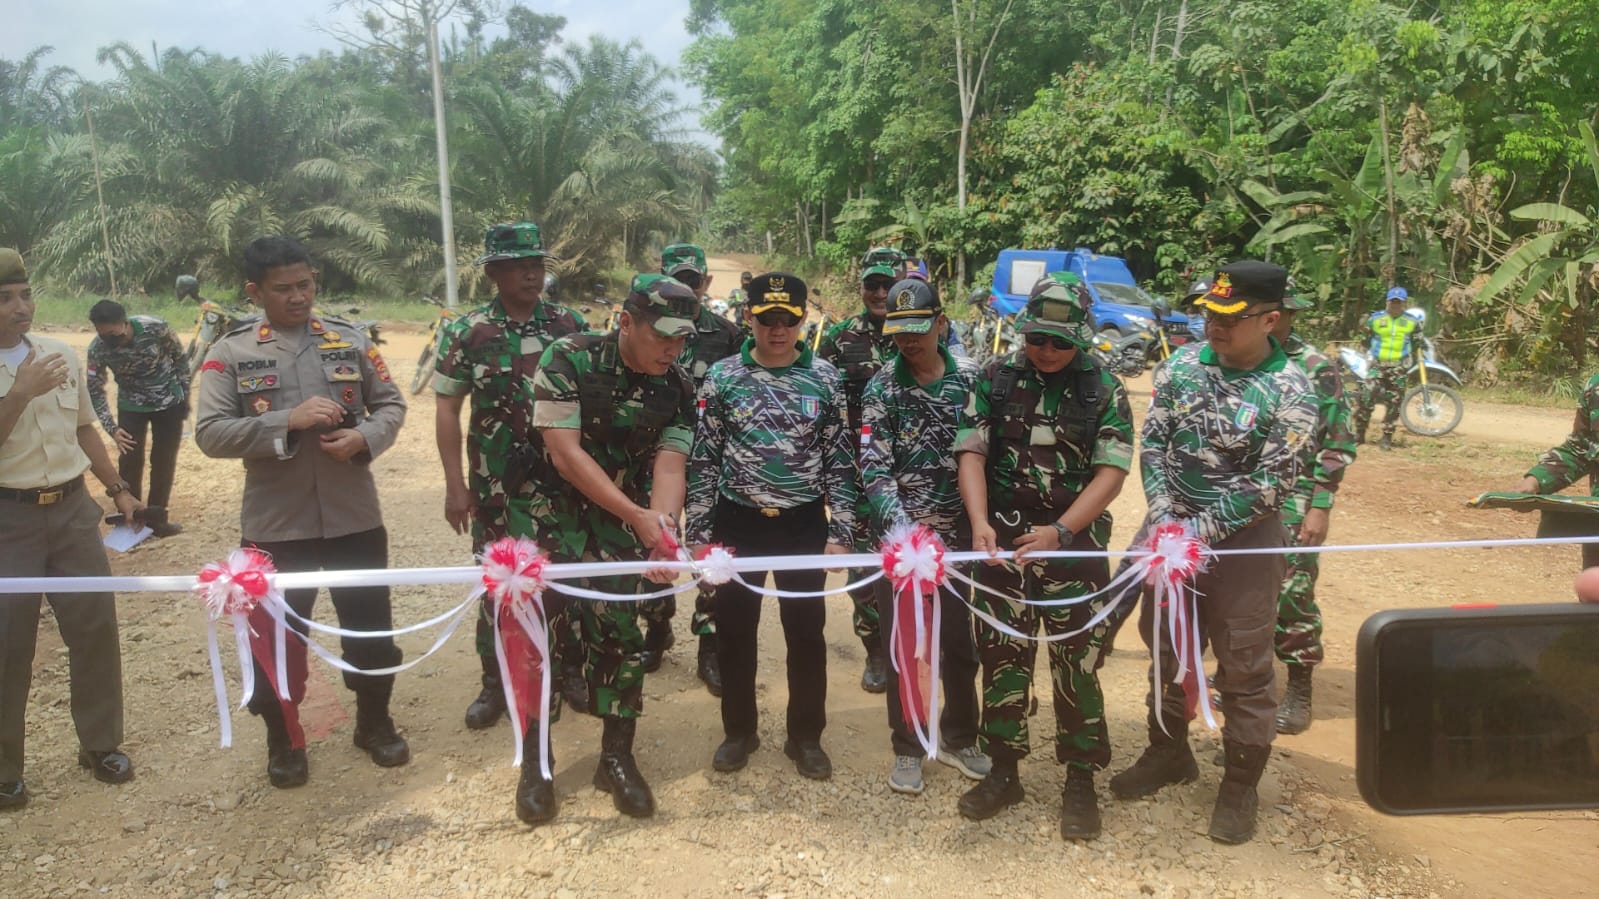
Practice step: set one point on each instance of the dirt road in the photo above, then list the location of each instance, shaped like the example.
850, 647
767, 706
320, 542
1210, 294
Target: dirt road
200, 820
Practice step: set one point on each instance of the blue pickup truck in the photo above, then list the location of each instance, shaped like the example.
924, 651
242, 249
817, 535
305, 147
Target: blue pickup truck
1120, 305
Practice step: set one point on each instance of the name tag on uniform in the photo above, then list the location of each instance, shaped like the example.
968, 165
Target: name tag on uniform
1042, 435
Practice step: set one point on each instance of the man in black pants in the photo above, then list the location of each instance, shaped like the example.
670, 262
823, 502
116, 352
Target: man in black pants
307, 403
152, 398
771, 458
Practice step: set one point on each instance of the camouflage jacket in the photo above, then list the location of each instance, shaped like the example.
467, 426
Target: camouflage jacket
624, 417
1223, 448
714, 339
487, 354
1566, 464
908, 462
1331, 449
772, 437
858, 348
1044, 434
152, 372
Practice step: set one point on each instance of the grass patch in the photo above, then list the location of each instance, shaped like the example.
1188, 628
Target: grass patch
1518, 395
58, 312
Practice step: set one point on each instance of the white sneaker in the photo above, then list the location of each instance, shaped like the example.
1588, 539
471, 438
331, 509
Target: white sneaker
969, 761
907, 775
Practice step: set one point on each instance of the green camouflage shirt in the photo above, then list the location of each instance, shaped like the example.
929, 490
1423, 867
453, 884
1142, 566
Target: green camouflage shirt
858, 348
908, 464
486, 353
1048, 449
1223, 448
714, 339
1331, 449
624, 417
1566, 464
772, 437
152, 373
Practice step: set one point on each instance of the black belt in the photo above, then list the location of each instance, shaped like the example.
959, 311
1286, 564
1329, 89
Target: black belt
738, 508
43, 496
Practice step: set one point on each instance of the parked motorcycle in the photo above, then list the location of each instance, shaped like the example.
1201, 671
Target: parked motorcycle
1126, 354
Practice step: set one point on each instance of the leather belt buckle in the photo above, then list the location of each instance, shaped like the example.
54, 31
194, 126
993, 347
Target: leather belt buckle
51, 497
771, 512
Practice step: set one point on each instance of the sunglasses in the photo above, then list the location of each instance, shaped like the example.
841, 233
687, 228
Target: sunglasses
1054, 340
777, 318
1228, 320
873, 285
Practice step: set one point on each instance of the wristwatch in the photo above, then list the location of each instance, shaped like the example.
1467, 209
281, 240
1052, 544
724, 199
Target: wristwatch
117, 489
1063, 534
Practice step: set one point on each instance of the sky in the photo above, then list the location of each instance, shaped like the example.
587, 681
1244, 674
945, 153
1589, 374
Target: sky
245, 28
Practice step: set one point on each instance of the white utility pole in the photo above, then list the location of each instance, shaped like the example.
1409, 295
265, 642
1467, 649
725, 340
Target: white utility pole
446, 213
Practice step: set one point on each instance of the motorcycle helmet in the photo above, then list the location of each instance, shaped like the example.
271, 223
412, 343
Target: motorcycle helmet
1196, 290
188, 286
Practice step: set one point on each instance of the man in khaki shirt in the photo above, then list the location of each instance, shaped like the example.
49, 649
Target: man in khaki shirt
307, 403
50, 527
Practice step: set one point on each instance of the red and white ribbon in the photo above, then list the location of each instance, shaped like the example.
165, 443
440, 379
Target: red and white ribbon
238, 587
913, 559
1176, 555
514, 580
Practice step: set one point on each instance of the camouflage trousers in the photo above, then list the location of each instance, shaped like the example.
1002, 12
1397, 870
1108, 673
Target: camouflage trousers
703, 622
1081, 737
1298, 635
864, 616
1387, 386
613, 645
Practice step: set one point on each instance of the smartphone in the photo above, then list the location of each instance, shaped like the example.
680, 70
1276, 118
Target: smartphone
1478, 709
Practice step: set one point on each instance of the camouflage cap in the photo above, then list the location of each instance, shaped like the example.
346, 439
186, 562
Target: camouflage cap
885, 261
913, 307
683, 256
1059, 304
12, 271
669, 306
519, 240
1293, 300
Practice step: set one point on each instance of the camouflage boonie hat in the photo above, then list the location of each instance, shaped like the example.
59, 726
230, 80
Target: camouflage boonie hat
1293, 300
12, 271
885, 261
1059, 304
681, 256
913, 307
672, 306
512, 241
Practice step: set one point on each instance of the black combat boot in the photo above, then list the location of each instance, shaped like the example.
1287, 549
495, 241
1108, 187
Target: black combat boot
1293, 713
998, 791
286, 766
486, 709
535, 794
617, 773
574, 686
1233, 820
657, 640
1166, 761
1079, 805
874, 679
374, 729
708, 668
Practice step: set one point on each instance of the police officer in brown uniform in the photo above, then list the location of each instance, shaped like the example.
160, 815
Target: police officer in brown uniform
307, 403
50, 527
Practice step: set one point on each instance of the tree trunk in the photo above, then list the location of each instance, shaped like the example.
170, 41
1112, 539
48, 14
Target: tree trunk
1176, 52
1391, 264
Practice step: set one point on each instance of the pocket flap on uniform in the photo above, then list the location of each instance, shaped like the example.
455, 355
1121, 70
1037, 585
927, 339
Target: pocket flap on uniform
257, 383
1245, 637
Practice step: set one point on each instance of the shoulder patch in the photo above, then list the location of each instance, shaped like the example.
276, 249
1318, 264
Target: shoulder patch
213, 365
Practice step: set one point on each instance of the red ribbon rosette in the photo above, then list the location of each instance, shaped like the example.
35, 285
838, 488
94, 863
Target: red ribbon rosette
913, 560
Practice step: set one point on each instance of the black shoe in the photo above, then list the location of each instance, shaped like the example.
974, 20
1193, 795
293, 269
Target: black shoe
998, 791
287, 767
374, 729
657, 640
535, 796
1293, 713
486, 709
734, 753
618, 773
166, 529
709, 668
1079, 806
107, 767
875, 678
1233, 820
575, 689
1165, 762
809, 759
13, 794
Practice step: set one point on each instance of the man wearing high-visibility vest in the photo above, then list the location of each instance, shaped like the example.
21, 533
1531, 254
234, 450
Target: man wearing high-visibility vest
1392, 335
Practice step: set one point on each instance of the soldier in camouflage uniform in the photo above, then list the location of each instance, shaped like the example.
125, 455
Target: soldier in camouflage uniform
1222, 449
714, 339
858, 348
911, 410
772, 473
152, 397
1572, 460
489, 354
613, 421
1045, 443
1330, 450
